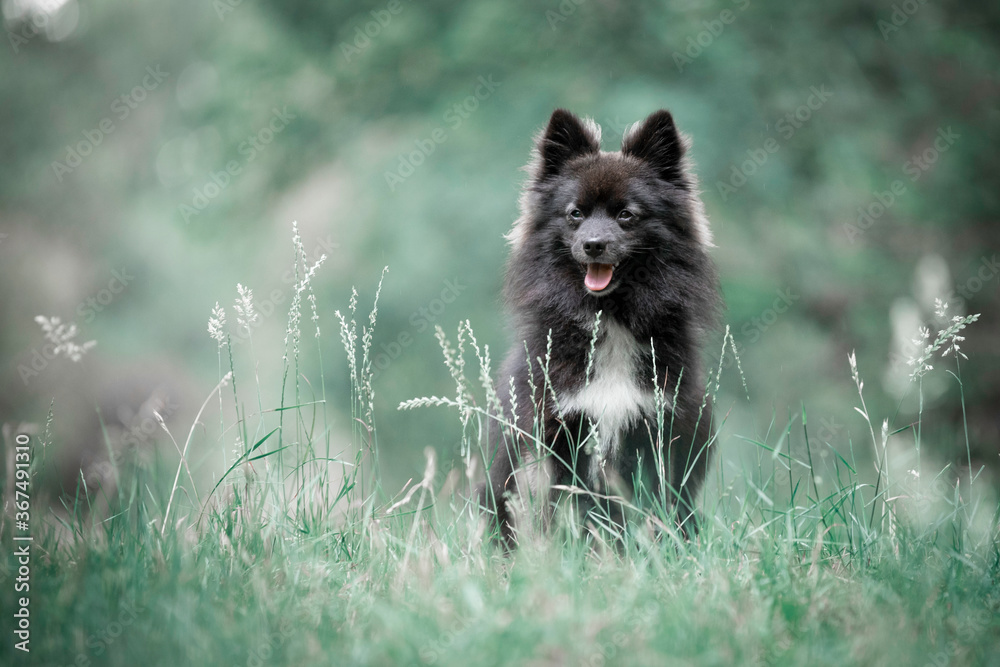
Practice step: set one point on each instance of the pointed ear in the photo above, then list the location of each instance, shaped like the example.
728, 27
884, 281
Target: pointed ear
657, 142
566, 137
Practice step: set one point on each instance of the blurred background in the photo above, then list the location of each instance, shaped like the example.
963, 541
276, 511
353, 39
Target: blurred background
154, 155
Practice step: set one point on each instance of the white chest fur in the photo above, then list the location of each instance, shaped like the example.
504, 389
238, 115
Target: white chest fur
613, 399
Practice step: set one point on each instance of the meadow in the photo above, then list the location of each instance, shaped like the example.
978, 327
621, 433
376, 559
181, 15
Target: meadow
293, 551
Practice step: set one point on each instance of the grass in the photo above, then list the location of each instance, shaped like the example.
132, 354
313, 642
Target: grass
297, 555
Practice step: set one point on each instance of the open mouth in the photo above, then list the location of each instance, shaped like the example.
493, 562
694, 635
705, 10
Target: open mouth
598, 276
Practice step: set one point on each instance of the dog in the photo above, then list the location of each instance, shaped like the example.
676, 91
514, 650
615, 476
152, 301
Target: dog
622, 236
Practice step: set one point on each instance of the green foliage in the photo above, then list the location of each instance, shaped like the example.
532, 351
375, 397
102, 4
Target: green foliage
793, 228
306, 559
280, 537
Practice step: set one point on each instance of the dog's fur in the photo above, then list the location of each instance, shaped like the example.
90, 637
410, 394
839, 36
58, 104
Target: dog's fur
662, 298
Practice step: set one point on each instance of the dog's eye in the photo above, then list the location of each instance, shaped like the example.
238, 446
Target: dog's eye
625, 215
576, 214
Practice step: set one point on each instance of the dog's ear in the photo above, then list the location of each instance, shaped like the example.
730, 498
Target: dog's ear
566, 137
657, 142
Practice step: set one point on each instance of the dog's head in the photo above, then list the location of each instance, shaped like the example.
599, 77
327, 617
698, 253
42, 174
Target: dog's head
598, 211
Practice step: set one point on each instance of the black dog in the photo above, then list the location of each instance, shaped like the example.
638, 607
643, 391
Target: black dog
624, 234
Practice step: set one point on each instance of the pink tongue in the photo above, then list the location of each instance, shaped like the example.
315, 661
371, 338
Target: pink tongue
598, 276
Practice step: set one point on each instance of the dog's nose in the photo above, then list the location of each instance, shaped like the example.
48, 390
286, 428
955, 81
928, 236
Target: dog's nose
594, 247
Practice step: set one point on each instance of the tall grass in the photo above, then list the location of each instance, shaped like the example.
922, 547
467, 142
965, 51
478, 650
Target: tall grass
296, 553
